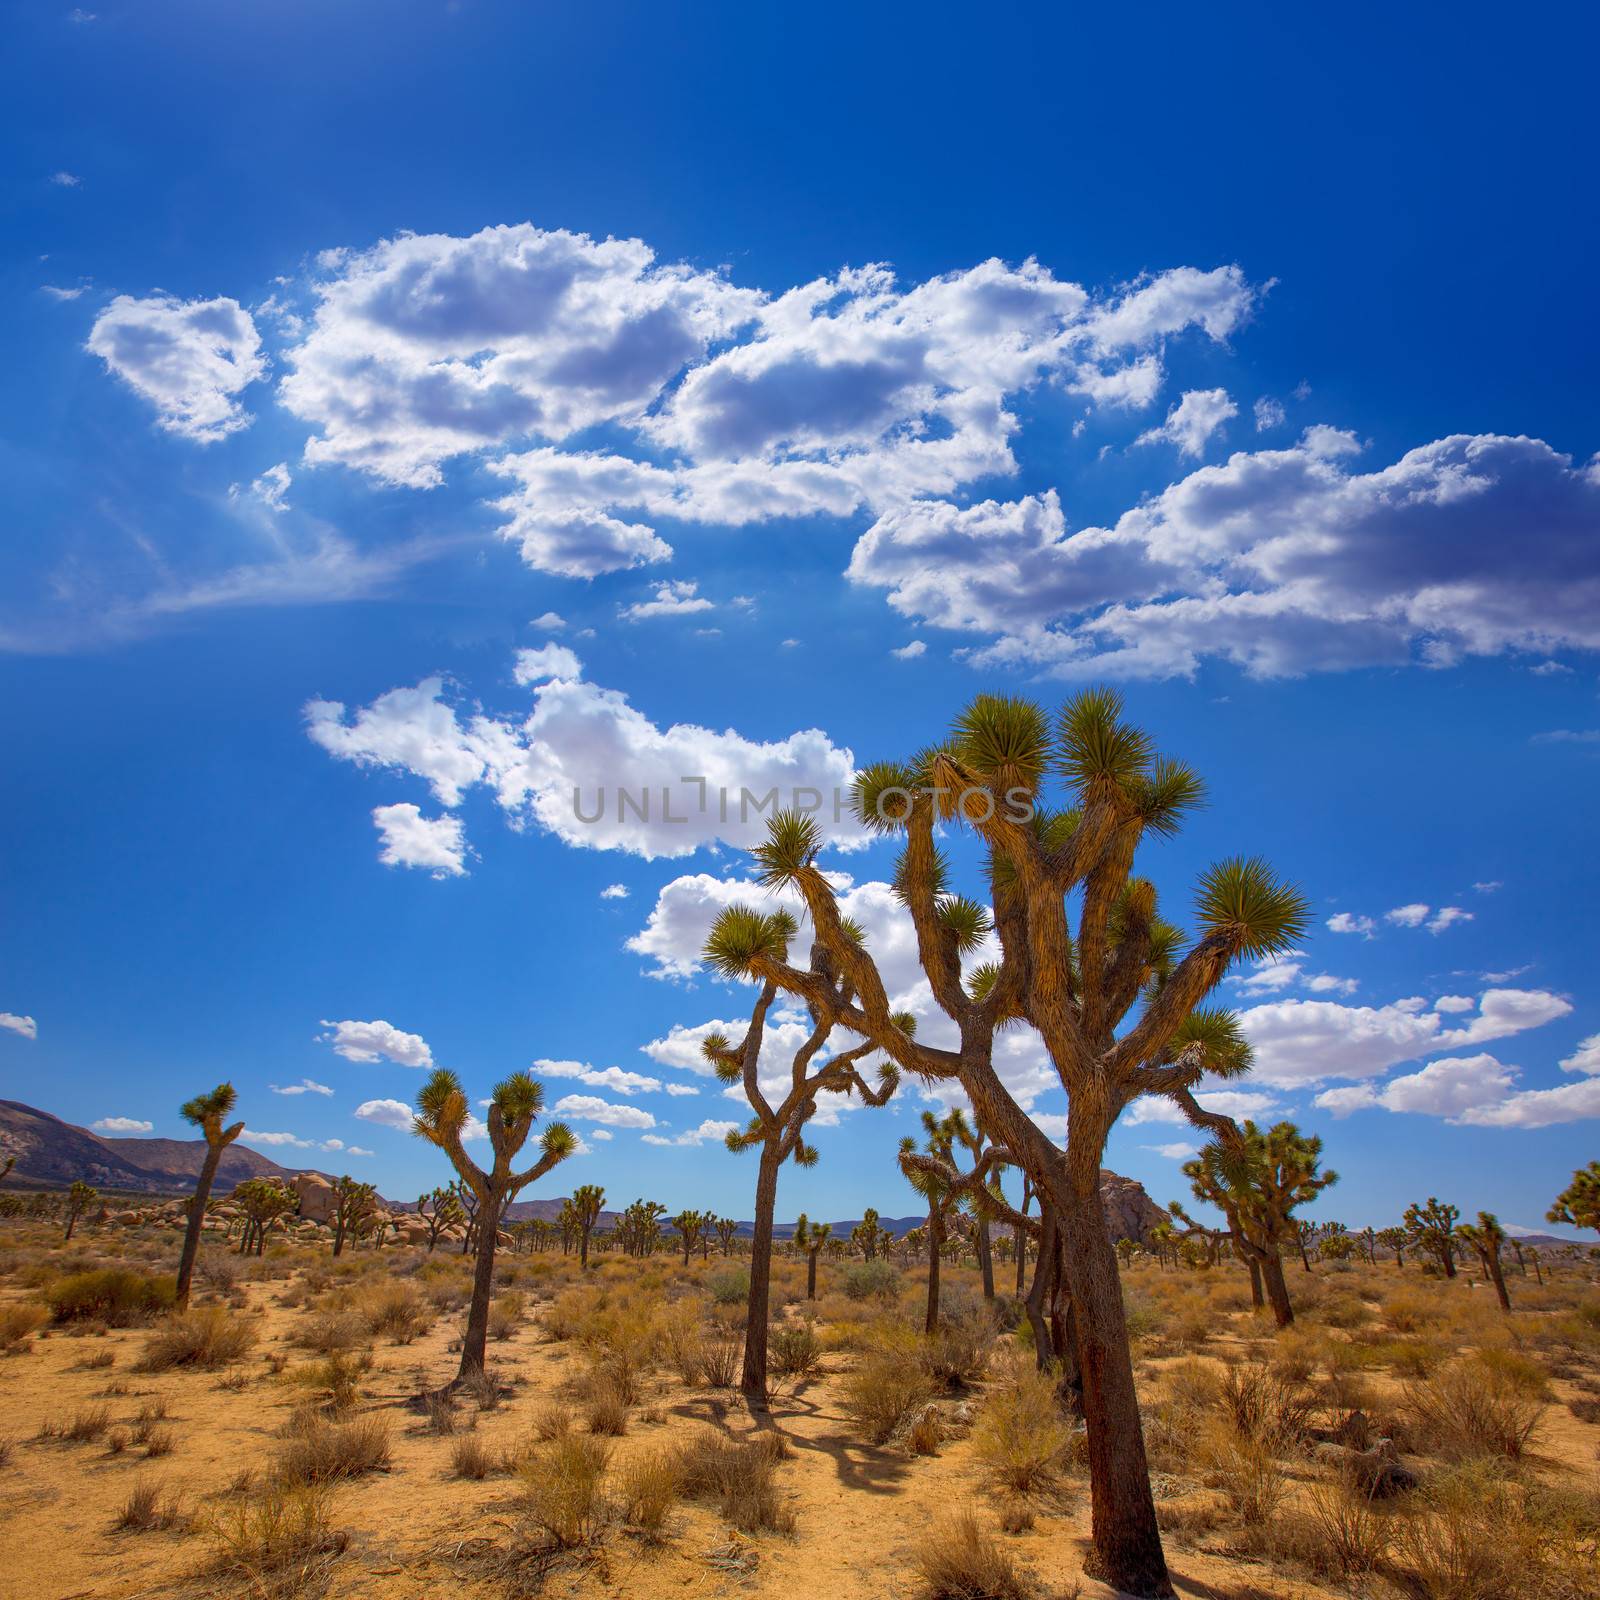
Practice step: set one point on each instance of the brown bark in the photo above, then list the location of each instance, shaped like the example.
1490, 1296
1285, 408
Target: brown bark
197, 1216
1257, 1299
811, 1273
930, 1322
985, 1256
753, 1379
475, 1341
1277, 1289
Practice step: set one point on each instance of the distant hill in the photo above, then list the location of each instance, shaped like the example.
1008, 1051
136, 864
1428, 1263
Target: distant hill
51, 1154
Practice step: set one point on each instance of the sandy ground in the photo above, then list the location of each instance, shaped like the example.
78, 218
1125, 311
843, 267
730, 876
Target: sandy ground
417, 1532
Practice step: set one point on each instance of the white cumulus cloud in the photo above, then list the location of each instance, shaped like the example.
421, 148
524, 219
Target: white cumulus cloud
377, 1041
125, 1125
409, 839
12, 1023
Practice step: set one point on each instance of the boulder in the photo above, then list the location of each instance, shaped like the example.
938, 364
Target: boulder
316, 1197
1130, 1212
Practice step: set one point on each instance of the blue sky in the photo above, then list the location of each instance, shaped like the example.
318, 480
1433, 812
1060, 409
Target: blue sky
410, 415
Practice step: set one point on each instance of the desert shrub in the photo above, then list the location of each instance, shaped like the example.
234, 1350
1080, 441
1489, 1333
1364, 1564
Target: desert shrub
794, 1350
720, 1354
926, 1432
116, 1296
338, 1376
320, 1451
605, 1406
649, 1486
958, 1561
958, 1351
19, 1321
327, 1331
84, 1426
505, 1313
470, 1457
1263, 1407
394, 1310
561, 1489
682, 1333
884, 1388
870, 1280
1247, 1473
1021, 1436
277, 1546
1477, 1405
158, 1442
1414, 1358
741, 1476
147, 1510
207, 1337
551, 1423
729, 1286
1348, 1536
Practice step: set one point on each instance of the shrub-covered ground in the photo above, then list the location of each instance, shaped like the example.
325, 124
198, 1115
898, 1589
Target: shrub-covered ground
1403, 1439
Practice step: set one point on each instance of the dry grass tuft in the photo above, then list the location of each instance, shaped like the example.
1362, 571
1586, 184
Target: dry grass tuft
471, 1458
205, 1338
319, 1451
740, 1476
1021, 1435
886, 1387
649, 1485
147, 1510
1485, 1404
19, 1321
279, 1546
958, 1561
562, 1489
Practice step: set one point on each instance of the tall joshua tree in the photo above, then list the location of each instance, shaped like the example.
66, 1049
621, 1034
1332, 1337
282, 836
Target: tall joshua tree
208, 1113
779, 1130
867, 1236
514, 1107
1487, 1238
691, 1226
1078, 987
355, 1206
1257, 1182
811, 1237
1578, 1205
1398, 1240
588, 1200
1431, 1229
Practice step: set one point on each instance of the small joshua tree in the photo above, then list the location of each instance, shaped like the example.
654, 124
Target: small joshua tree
79, 1198
355, 1208
1257, 1182
440, 1210
263, 1201
588, 1201
935, 1182
514, 1107
690, 1226
207, 1112
736, 937
811, 1237
727, 1230
1487, 1238
1431, 1229
867, 1236
1398, 1240
1578, 1205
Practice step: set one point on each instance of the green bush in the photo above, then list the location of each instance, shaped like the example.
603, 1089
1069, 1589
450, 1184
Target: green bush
112, 1295
730, 1287
871, 1280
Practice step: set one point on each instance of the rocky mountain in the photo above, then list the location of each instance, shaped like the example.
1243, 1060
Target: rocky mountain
51, 1153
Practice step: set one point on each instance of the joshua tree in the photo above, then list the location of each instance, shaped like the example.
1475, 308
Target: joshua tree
867, 1236
779, 1130
1077, 991
727, 1230
935, 1181
207, 1112
640, 1227
1578, 1205
1398, 1240
1431, 1229
1304, 1234
1487, 1238
355, 1206
263, 1201
811, 1237
513, 1108
691, 1225
1257, 1182
588, 1200
440, 1210
79, 1198
1535, 1258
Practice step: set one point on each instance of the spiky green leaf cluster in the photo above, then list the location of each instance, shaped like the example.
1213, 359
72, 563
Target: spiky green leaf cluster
1256, 912
793, 839
741, 936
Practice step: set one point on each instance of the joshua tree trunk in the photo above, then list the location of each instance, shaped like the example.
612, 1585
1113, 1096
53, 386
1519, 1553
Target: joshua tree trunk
476, 1339
981, 1244
583, 1248
1257, 1299
753, 1379
1127, 1542
811, 1275
197, 1216
935, 1251
1447, 1259
1497, 1278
